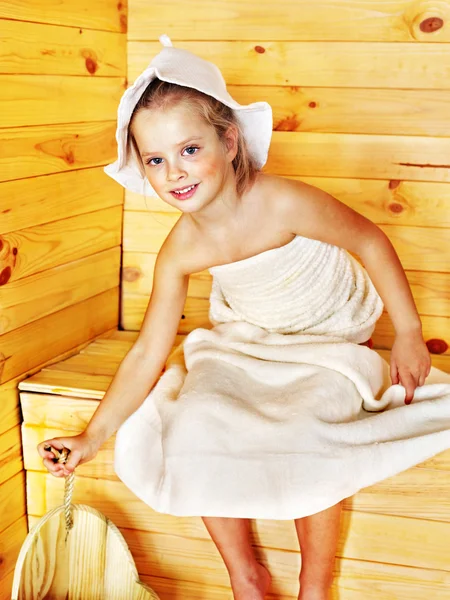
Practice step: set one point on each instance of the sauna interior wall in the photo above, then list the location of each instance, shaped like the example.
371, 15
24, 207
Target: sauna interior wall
62, 72
360, 94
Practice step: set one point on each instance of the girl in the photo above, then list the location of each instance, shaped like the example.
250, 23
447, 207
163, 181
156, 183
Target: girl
267, 419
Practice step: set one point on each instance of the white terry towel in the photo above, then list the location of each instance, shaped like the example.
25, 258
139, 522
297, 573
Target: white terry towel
277, 412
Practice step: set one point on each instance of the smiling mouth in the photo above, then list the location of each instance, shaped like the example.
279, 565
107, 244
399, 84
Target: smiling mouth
186, 192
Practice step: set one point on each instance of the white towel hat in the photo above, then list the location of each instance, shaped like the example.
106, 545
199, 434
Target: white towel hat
182, 67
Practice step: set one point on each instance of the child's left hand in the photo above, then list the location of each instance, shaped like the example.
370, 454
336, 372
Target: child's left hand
410, 362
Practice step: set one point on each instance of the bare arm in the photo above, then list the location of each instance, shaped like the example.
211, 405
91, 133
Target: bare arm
311, 212
142, 366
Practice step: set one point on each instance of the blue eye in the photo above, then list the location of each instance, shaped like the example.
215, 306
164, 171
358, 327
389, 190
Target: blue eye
192, 148
149, 162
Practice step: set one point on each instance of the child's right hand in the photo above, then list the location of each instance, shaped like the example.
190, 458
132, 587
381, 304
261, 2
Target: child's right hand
82, 449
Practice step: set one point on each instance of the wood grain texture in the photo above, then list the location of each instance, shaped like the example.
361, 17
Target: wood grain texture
92, 562
396, 21
101, 14
39, 49
344, 64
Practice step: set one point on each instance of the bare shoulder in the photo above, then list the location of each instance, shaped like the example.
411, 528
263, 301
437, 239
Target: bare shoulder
182, 250
312, 212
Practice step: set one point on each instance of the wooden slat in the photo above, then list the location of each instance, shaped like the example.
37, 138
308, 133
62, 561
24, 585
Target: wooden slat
41, 150
6, 585
28, 100
27, 300
12, 500
101, 14
41, 340
9, 406
57, 243
343, 64
375, 156
59, 196
37, 49
11, 461
415, 203
11, 541
398, 21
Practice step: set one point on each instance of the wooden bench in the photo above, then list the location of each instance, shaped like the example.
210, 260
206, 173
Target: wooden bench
394, 539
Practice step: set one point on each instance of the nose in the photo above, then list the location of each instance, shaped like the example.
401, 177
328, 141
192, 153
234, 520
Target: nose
175, 172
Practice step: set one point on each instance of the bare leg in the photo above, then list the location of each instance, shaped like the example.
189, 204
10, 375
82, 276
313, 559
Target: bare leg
249, 579
318, 536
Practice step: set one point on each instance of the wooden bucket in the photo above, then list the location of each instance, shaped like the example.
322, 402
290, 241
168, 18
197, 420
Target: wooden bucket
74, 552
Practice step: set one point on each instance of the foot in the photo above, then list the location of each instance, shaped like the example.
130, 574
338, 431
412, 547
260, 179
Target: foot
254, 587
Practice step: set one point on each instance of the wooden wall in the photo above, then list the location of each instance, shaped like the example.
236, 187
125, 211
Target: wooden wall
360, 93
62, 72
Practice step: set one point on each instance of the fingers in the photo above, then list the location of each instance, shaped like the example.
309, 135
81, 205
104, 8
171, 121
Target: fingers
72, 462
394, 373
49, 457
409, 383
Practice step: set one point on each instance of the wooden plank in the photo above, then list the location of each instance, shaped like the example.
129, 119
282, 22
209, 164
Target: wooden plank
10, 415
247, 20
101, 14
345, 64
39, 341
11, 461
28, 100
375, 156
11, 541
12, 500
78, 192
41, 150
415, 203
37, 248
27, 300
6, 585
38, 49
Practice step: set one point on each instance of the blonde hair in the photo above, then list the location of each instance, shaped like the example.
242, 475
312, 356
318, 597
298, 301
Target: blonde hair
162, 94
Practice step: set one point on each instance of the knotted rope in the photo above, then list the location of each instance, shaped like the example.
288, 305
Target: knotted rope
61, 456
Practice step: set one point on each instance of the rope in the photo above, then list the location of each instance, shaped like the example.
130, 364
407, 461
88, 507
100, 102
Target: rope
61, 456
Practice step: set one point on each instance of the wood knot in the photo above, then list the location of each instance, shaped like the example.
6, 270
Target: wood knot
394, 183
288, 124
395, 207
437, 346
183, 316
312, 104
131, 274
260, 49
91, 66
431, 24
90, 60
5, 275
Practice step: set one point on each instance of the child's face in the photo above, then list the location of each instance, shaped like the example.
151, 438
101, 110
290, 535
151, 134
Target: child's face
179, 150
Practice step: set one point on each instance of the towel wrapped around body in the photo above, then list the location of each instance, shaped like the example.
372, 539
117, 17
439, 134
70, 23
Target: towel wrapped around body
278, 411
